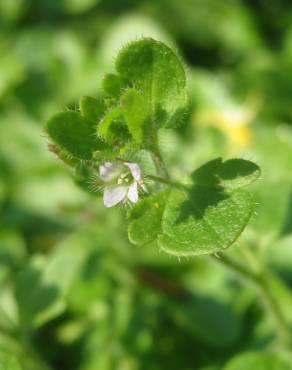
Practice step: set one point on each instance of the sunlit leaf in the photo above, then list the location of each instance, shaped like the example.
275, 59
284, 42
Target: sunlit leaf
203, 220
154, 70
74, 133
145, 218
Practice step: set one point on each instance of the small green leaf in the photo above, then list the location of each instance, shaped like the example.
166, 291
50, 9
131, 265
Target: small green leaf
112, 84
153, 68
231, 174
136, 112
203, 220
258, 361
8, 361
92, 109
112, 127
145, 218
74, 133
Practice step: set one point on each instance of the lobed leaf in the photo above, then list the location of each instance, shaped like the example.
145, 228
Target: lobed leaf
231, 174
203, 220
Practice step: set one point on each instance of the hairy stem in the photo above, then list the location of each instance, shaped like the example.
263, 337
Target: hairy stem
261, 281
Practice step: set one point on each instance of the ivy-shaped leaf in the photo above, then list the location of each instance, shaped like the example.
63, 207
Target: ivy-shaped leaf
152, 68
202, 218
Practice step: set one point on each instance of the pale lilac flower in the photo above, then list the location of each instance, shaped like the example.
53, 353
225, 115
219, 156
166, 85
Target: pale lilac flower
122, 181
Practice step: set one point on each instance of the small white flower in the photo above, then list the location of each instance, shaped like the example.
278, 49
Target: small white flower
122, 181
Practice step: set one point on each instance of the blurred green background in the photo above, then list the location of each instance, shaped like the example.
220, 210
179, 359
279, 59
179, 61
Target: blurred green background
74, 294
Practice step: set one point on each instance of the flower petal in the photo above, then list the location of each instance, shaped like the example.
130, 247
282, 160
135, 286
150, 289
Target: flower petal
135, 170
109, 171
113, 195
133, 192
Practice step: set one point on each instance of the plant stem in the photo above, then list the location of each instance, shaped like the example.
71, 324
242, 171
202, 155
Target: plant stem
164, 180
261, 281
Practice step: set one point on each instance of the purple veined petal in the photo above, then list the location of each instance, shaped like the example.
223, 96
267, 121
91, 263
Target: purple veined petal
133, 192
109, 171
113, 195
135, 170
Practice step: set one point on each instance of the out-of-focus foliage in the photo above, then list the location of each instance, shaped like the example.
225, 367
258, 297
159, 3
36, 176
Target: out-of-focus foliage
74, 294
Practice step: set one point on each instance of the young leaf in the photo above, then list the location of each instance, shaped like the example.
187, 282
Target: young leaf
74, 133
231, 174
258, 361
203, 220
154, 69
112, 84
145, 218
136, 112
112, 128
92, 109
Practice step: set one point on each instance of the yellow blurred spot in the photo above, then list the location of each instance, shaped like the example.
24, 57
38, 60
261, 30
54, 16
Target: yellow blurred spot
234, 123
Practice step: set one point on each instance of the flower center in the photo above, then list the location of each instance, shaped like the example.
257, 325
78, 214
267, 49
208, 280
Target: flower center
125, 178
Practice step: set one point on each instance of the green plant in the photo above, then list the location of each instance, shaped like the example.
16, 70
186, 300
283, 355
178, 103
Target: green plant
108, 141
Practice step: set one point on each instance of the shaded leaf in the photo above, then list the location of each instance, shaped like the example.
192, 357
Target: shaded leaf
232, 174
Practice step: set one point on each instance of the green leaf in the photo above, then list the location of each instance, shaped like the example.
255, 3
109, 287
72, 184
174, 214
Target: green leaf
203, 220
258, 361
145, 218
92, 109
136, 113
8, 361
231, 174
112, 84
206, 318
74, 133
43, 283
153, 68
112, 128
